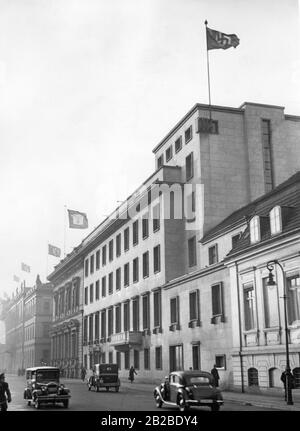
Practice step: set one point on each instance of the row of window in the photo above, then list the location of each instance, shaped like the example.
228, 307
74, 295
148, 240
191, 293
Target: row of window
93, 262
188, 135
106, 322
189, 166
270, 303
107, 282
274, 377
258, 224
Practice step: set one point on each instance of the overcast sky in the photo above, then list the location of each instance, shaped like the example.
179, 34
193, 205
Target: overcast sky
89, 87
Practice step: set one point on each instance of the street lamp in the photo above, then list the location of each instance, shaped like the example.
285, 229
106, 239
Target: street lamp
288, 376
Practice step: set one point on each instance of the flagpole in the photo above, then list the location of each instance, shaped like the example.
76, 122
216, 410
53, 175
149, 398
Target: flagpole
47, 260
208, 74
65, 229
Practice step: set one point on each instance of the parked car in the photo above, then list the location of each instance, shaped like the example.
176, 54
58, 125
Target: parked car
43, 386
185, 389
105, 376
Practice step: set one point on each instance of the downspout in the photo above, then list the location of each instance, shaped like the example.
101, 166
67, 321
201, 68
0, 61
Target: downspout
240, 326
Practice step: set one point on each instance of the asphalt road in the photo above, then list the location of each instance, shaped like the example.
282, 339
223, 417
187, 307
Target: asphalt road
129, 398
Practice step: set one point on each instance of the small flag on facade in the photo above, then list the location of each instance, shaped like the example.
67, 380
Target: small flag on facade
16, 278
217, 40
25, 267
54, 251
77, 220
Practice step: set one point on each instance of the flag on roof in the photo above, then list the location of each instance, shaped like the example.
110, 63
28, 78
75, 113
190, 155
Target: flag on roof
77, 220
54, 251
25, 267
217, 40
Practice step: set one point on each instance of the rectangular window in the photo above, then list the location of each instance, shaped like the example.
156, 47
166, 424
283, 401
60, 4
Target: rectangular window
126, 360
86, 298
174, 310
118, 318
118, 245
103, 358
126, 274
103, 286
126, 316
267, 155
103, 324
191, 207
216, 296
293, 297
194, 305
118, 279
178, 144
91, 335
97, 259
270, 304
135, 270
220, 361
97, 290
91, 292
110, 283
235, 239
146, 312
86, 268
156, 259
97, 326
213, 254
126, 239
189, 167
111, 250
110, 357
169, 153
188, 134
249, 306
136, 359
158, 358
104, 255
145, 226
147, 359
118, 359
160, 161
156, 217
110, 322
192, 251
196, 356
135, 315
176, 357
157, 309
92, 264
146, 264
135, 233
85, 330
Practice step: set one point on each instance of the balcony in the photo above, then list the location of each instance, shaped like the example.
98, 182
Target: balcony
125, 340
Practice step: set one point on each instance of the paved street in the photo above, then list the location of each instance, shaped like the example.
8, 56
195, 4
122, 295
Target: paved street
130, 398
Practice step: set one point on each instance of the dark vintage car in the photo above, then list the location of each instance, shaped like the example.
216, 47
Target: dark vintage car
43, 386
105, 376
185, 389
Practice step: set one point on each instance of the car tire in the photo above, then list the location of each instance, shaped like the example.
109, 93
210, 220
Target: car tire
66, 404
89, 387
29, 403
117, 389
37, 404
215, 407
97, 388
107, 388
158, 401
181, 403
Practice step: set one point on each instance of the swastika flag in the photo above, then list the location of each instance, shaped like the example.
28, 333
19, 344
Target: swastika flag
54, 251
25, 267
77, 220
217, 40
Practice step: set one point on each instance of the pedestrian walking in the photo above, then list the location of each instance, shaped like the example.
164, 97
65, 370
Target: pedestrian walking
83, 373
287, 376
5, 395
132, 372
215, 374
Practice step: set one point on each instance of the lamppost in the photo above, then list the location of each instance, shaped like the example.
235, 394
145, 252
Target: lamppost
288, 375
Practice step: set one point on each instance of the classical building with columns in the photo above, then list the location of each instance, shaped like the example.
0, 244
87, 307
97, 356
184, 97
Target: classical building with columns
154, 295
66, 328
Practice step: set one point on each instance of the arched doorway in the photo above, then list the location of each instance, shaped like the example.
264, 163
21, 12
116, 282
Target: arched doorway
252, 377
296, 373
274, 378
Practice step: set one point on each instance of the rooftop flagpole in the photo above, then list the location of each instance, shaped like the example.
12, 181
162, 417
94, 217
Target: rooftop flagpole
208, 74
65, 229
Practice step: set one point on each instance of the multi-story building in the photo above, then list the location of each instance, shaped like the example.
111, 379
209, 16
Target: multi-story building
154, 296
66, 328
27, 317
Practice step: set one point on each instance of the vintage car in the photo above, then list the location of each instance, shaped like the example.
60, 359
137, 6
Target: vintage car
43, 386
185, 389
104, 376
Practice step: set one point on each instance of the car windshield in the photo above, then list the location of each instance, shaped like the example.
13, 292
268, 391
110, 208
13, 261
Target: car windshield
197, 380
47, 375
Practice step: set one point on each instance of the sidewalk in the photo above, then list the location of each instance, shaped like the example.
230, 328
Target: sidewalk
247, 399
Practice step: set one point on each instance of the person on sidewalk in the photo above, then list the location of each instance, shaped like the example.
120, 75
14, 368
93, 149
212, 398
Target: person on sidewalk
5, 395
216, 376
132, 372
83, 373
284, 378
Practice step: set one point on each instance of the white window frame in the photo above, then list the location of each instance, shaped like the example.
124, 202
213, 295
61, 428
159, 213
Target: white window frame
255, 229
276, 220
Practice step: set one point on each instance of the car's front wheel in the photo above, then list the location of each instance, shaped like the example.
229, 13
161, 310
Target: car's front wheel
181, 403
66, 404
158, 401
117, 388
